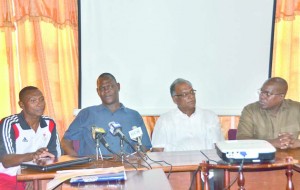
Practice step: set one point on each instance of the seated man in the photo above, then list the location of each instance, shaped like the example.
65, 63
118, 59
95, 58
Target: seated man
25, 137
101, 115
187, 127
272, 118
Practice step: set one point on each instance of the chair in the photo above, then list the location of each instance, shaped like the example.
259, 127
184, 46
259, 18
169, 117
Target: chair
232, 134
76, 145
76, 142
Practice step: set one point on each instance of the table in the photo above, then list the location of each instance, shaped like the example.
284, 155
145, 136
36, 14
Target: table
284, 160
182, 161
146, 180
187, 161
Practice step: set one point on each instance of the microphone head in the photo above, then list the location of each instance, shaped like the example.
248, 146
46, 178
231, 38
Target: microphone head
96, 131
114, 127
135, 133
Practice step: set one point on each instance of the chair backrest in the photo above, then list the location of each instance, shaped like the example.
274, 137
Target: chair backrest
232, 134
76, 145
76, 142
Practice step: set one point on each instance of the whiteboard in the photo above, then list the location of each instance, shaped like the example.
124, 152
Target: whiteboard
222, 46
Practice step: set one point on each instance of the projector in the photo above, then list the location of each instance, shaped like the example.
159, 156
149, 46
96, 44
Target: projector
249, 151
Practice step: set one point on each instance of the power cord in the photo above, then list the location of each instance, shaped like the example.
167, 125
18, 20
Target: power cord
193, 178
208, 159
239, 171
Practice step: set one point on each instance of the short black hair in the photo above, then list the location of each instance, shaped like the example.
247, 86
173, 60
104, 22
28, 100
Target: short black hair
24, 90
107, 75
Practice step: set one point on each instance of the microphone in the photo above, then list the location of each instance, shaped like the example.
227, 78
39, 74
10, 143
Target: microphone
115, 129
98, 134
136, 134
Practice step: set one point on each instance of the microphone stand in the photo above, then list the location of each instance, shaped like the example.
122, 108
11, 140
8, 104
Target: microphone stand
139, 145
122, 149
138, 154
139, 148
98, 151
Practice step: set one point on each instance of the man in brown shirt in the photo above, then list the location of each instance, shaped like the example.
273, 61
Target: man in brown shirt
272, 118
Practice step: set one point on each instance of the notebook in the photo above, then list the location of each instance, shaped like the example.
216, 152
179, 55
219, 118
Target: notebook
46, 164
119, 176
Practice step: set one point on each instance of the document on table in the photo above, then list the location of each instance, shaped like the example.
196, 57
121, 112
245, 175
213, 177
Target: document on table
64, 175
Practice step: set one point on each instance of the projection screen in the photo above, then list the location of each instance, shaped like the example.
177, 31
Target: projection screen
223, 47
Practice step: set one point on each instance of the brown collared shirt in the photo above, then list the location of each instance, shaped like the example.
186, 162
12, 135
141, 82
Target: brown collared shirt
257, 123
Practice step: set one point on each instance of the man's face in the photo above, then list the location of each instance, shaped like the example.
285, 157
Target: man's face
33, 103
185, 97
271, 96
108, 90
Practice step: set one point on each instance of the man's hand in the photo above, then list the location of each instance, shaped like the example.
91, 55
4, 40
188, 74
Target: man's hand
41, 153
157, 149
284, 141
295, 143
10, 160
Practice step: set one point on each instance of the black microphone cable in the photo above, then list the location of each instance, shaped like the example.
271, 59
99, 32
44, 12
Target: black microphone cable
110, 150
139, 155
162, 161
105, 144
117, 131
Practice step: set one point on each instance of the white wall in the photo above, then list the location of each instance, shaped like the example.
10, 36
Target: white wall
221, 46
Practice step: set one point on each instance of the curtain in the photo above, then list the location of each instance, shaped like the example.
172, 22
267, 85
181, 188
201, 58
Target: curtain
39, 47
286, 52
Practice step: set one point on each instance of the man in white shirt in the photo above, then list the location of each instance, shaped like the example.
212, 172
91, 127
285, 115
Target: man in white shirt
187, 127
26, 136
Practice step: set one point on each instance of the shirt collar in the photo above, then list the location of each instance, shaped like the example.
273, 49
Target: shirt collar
122, 107
179, 113
25, 125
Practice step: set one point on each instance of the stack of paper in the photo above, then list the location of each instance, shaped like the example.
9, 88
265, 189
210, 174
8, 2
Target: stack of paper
64, 175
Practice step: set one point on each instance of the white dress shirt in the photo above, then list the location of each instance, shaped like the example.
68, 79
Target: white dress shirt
175, 131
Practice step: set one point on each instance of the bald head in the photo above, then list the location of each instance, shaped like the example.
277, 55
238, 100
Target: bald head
280, 84
272, 94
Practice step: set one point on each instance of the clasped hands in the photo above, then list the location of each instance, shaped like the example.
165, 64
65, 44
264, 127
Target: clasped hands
41, 153
285, 141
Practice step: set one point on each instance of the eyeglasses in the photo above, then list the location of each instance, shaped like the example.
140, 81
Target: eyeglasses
268, 94
185, 94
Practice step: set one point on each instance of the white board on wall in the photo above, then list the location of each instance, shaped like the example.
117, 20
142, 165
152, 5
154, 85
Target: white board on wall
222, 47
